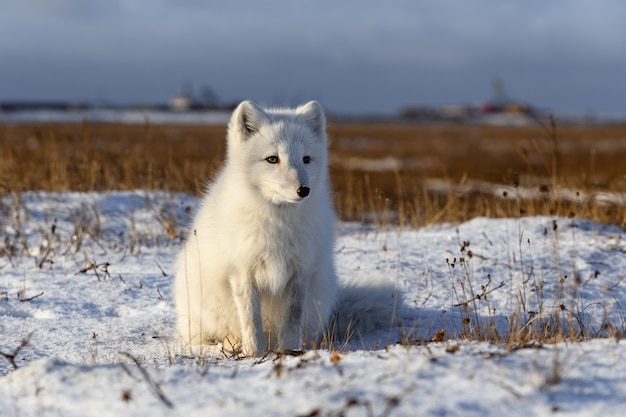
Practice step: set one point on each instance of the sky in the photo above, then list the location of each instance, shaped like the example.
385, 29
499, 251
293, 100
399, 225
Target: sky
355, 57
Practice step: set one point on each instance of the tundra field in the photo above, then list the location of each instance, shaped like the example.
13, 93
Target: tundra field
506, 246
404, 174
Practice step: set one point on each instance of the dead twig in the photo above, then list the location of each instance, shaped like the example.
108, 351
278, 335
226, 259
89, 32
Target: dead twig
161, 268
95, 267
480, 296
46, 258
26, 299
156, 389
11, 357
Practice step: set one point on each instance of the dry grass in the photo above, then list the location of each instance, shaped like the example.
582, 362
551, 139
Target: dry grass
389, 174
396, 173
565, 315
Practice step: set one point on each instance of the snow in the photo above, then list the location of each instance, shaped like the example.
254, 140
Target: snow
86, 319
564, 194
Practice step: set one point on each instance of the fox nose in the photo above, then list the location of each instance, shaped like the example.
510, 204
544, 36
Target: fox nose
303, 191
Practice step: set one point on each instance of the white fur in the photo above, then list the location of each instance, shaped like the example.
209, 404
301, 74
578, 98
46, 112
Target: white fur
258, 262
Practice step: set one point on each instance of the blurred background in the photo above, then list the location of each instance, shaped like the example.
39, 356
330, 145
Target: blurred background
356, 57
438, 110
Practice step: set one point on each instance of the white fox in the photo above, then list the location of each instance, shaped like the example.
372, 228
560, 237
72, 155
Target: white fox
258, 265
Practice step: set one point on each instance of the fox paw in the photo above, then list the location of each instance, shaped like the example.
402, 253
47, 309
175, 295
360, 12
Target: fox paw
231, 345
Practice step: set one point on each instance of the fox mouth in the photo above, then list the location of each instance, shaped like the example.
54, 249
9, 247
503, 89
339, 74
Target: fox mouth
301, 194
291, 199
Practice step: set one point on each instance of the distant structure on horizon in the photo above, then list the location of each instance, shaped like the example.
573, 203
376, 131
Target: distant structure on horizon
500, 109
206, 99
501, 103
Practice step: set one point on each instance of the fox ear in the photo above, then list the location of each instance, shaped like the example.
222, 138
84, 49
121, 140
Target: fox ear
247, 119
313, 116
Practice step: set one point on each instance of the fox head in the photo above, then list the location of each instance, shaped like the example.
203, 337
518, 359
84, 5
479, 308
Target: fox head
281, 152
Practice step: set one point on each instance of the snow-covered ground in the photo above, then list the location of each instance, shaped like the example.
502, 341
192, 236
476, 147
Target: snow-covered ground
86, 319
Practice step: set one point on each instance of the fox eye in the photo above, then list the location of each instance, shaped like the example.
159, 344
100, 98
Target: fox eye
272, 159
306, 159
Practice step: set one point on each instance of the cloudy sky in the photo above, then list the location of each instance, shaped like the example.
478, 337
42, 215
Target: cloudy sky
353, 56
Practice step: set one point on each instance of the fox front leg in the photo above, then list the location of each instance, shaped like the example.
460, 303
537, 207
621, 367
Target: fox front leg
291, 328
248, 303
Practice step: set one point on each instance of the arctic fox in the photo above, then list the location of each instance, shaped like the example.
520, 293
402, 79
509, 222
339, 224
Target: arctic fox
258, 264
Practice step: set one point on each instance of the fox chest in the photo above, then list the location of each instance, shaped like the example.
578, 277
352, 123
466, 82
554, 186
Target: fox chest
274, 260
